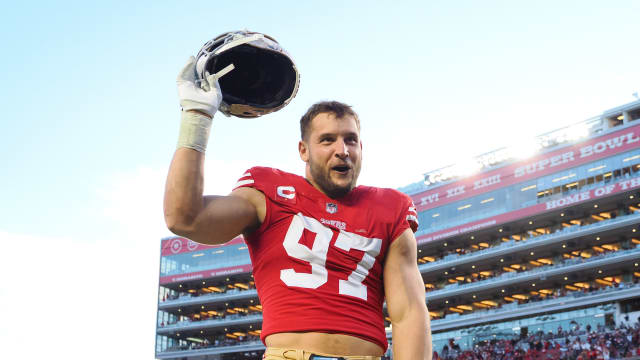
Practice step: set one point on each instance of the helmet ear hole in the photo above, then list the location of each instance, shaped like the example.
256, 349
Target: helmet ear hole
264, 80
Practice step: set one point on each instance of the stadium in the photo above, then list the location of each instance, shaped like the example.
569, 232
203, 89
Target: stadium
533, 251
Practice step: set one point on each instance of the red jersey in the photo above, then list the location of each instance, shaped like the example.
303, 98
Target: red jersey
317, 261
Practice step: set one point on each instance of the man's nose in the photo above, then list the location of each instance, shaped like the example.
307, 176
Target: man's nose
342, 151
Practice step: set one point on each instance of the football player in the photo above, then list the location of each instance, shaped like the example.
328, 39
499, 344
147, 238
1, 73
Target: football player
326, 253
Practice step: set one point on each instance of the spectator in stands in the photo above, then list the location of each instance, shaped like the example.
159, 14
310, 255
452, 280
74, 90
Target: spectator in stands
601, 345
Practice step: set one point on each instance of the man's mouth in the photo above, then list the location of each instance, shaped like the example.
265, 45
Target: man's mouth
341, 169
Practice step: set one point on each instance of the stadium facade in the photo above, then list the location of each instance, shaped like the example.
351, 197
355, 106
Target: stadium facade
521, 245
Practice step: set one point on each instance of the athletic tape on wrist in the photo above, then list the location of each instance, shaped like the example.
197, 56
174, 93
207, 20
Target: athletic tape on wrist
194, 131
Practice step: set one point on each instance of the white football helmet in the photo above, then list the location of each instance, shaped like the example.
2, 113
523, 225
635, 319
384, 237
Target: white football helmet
260, 75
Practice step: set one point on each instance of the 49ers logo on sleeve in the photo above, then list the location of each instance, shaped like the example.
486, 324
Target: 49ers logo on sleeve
286, 193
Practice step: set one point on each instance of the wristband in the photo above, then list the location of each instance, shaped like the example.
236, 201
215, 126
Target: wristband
194, 131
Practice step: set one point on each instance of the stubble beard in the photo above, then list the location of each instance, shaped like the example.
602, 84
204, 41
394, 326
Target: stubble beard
322, 178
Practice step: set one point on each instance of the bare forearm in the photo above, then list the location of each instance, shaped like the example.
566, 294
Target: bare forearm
183, 198
412, 337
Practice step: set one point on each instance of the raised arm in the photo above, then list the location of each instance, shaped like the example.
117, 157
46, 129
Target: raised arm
205, 219
404, 292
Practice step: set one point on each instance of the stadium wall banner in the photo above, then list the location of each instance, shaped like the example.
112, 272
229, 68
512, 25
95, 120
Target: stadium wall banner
555, 204
180, 245
541, 165
205, 274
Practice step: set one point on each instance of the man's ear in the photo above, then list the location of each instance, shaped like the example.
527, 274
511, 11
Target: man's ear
303, 149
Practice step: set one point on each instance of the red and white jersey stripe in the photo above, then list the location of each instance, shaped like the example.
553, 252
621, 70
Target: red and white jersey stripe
412, 217
245, 180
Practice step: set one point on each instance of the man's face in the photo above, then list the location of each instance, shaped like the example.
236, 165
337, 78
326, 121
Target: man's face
333, 153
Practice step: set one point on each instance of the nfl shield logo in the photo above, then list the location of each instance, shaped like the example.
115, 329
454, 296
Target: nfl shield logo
332, 208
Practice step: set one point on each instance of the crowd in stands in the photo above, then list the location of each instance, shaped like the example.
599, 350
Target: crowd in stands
622, 342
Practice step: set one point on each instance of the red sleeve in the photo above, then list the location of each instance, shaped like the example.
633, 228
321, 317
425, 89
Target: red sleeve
258, 178
268, 181
411, 214
246, 180
407, 218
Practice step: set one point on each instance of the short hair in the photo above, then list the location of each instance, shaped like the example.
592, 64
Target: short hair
338, 109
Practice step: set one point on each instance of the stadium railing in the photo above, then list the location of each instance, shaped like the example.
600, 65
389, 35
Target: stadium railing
525, 274
206, 298
538, 240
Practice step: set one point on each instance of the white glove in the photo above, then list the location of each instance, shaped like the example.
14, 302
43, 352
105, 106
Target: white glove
205, 98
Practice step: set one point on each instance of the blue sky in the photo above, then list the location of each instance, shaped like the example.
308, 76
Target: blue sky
89, 120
